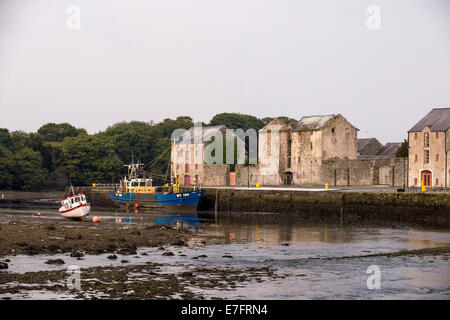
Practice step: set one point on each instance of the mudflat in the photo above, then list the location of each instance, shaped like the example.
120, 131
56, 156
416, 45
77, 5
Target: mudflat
37, 235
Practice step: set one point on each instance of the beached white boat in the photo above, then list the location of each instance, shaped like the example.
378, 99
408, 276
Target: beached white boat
75, 207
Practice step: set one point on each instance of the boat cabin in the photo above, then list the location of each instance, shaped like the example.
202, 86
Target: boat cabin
138, 185
74, 201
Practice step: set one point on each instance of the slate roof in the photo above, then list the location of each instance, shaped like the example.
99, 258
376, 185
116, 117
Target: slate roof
438, 119
313, 122
361, 143
389, 149
207, 133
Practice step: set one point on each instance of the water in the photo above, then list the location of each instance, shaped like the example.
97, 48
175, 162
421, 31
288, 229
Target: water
309, 258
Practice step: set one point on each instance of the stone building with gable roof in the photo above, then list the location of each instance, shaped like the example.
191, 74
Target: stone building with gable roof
293, 153
429, 144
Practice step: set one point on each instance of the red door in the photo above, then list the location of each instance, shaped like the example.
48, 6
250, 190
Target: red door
187, 180
426, 178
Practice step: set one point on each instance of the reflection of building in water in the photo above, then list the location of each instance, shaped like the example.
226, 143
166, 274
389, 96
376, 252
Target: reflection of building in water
188, 222
275, 234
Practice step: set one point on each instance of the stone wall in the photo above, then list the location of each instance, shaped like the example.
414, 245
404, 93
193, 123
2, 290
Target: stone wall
216, 175
251, 175
346, 208
365, 172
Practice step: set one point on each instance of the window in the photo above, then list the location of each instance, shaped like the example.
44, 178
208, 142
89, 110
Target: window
437, 135
311, 146
187, 156
347, 131
196, 166
437, 181
415, 181
332, 130
426, 139
437, 157
416, 158
426, 156
186, 167
415, 136
196, 179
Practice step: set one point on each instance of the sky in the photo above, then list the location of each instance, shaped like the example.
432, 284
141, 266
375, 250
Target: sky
108, 61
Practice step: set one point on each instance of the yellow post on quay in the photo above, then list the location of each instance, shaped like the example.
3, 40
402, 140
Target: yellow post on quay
326, 186
424, 188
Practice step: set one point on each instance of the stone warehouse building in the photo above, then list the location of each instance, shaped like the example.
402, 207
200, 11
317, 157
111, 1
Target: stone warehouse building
188, 161
293, 154
429, 144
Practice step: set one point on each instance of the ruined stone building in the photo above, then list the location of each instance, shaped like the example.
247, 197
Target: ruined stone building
292, 154
429, 144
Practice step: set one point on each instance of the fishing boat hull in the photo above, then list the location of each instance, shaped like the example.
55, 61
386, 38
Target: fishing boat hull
77, 212
158, 202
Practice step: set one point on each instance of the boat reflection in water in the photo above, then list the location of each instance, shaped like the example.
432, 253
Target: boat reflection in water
187, 222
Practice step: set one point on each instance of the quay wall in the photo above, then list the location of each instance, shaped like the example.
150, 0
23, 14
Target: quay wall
346, 207
331, 206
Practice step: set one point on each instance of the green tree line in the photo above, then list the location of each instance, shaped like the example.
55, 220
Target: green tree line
46, 159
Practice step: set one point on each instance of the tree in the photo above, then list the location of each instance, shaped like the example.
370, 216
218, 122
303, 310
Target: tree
28, 170
90, 159
58, 132
6, 168
132, 140
286, 120
5, 138
402, 152
19, 140
237, 121
165, 128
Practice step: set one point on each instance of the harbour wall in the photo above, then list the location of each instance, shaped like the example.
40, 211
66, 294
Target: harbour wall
375, 208
346, 207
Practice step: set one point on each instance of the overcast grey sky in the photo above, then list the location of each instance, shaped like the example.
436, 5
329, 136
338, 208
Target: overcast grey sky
154, 59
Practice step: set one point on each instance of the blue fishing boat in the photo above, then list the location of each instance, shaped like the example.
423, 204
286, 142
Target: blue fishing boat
138, 193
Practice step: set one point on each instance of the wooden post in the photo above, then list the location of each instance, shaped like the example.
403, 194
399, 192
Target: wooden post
216, 206
342, 209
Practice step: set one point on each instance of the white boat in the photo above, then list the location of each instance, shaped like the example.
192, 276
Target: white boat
75, 207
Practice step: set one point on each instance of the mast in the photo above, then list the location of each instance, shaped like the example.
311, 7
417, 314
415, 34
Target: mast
175, 186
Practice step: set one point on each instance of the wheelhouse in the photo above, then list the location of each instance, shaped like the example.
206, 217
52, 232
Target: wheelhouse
74, 201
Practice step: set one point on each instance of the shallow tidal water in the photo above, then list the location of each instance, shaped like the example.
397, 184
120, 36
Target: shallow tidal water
312, 261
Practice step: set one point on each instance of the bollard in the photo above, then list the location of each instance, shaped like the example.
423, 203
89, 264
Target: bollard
257, 185
424, 188
326, 186
93, 185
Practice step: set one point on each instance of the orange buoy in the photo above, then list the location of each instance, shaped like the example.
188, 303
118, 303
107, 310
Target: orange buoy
95, 219
136, 211
136, 205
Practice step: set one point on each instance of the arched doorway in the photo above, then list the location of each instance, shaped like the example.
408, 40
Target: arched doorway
425, 177
288, 177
